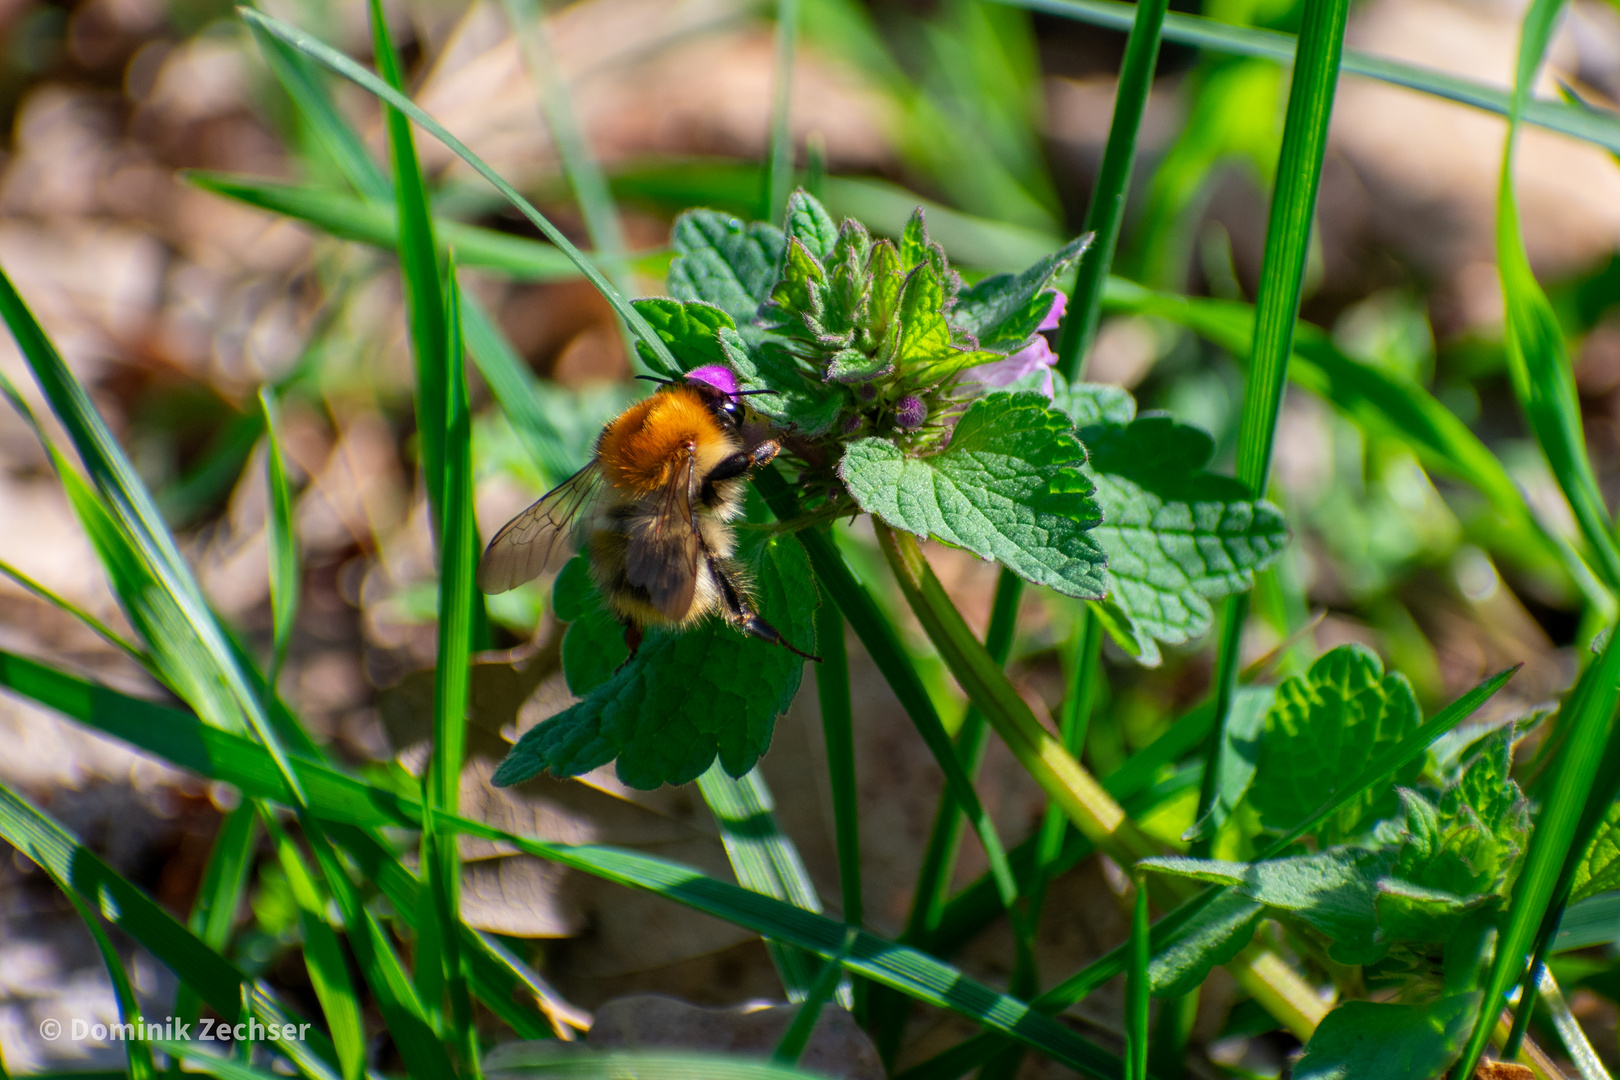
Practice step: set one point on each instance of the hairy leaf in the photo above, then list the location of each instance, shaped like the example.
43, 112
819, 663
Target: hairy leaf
1362, 1039
1599, 869
687, 696
1003, 312
723, 262
1177, 536
1008, 487
1089, 404
794, 401
1325, 727
1215, 935
809, 223
690, 329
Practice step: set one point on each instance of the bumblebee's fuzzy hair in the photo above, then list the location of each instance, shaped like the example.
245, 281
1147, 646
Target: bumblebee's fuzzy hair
647, 441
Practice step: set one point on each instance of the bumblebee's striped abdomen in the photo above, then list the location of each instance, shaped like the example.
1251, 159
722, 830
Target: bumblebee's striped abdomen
640, 450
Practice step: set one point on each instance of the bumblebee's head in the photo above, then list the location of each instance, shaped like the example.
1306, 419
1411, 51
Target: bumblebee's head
718, 386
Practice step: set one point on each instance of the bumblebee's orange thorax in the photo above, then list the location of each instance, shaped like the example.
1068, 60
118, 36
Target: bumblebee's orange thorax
640, 450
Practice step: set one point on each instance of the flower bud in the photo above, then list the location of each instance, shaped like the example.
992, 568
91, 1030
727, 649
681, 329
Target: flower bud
910, 412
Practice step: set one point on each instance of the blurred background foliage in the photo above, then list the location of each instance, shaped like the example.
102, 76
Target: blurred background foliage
173, 304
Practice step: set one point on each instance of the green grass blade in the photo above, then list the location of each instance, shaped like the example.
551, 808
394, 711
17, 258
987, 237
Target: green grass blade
1538, 356
221, 985
219, 894
1282, 273
201, 649
101, 629
514, 388
1583, 123
764, 860
1107, 210
298, 77
1571, 781
377, 224
791, 1046
585, 176
184, 741
347, 68
779, 171
323, 955
558, 1010
136, 1051
283, 539
458, 554
419, 269
1136, 990
209, 1063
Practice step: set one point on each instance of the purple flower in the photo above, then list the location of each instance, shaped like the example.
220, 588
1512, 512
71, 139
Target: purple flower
909, 412
718, 376
1054, 315
1034, 357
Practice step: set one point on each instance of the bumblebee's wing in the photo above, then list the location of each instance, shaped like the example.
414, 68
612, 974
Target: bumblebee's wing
538, 539
663, 558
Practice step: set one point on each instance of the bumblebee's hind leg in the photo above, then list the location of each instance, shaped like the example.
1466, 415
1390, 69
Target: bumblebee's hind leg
741, 614
632, 640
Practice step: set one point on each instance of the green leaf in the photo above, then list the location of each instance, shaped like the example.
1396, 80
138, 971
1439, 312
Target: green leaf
1213, 937
723, 262
917, 249
793, 400
1240, 753
1350, 895
809, 223
1002, 312
1361, 1039
1599, 869
1008, 487
593, 648
795, 299
1324, 729
688, 694
1089, 404
1176, 535
690, 329
1478, 829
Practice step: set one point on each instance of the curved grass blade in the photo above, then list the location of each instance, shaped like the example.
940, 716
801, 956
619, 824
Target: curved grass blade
347, 68
62, 603
297, 76
1107, 210
542, 1060
1589, 125
377, 223
337, 798
1136, 989
283, 539
221, 985
584, 174
797, 1036
838, 731
136, 1050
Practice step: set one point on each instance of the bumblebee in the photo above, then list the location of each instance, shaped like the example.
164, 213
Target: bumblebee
652, 513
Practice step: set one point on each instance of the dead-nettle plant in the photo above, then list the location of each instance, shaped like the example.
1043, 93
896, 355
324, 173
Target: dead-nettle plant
900, 392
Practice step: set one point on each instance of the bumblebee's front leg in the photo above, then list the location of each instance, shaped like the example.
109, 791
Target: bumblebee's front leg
743, 460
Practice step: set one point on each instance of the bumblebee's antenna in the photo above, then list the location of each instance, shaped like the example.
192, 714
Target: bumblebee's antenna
656, 379
750, 393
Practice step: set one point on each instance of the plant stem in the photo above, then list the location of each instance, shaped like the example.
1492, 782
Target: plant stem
1107, 209
838, 731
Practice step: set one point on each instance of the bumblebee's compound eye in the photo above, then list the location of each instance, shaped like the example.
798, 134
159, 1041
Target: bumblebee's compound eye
719, 385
